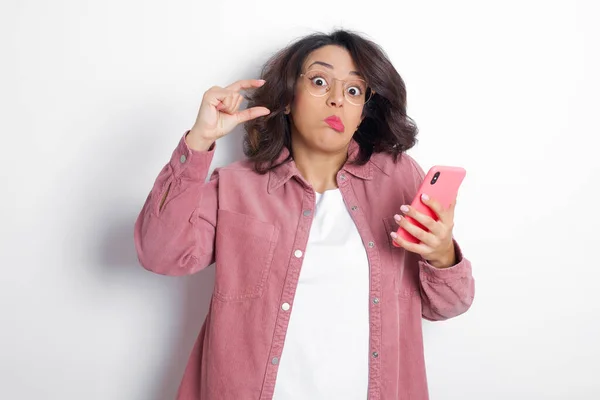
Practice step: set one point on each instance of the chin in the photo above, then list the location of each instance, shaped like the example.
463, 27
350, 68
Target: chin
332, 141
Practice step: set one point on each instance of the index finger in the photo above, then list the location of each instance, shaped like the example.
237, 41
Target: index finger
245, 84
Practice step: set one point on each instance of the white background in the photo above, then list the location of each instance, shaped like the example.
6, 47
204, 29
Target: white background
96, 94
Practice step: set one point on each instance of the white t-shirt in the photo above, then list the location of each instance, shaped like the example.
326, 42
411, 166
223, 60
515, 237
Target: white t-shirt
326, 350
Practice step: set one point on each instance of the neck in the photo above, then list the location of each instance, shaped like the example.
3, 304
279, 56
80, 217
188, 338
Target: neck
318, 168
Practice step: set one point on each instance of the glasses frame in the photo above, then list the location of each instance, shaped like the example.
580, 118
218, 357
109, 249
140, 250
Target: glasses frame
306, 81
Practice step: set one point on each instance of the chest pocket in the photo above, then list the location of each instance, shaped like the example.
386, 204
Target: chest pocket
244, 252
404, 263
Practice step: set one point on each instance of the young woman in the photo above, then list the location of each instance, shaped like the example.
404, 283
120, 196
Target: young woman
311, 300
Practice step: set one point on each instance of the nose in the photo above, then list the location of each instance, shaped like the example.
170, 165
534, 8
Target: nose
336, 94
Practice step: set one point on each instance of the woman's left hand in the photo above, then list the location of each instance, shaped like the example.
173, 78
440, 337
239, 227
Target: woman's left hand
436, 246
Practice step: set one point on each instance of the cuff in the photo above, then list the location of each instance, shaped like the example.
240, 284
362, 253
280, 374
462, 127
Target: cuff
191, 164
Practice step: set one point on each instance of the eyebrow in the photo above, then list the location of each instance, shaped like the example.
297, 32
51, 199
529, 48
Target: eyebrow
331, 67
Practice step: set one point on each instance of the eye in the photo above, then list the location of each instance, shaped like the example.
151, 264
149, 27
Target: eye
354, 91
318, 81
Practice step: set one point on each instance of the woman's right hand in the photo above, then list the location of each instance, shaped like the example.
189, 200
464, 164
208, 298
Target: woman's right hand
219, 114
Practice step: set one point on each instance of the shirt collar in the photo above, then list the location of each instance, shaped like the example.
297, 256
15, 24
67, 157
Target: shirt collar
284, 171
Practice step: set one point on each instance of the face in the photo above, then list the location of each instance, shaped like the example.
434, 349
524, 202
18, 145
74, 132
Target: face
319, 98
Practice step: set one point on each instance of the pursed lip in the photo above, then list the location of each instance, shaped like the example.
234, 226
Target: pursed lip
335, 122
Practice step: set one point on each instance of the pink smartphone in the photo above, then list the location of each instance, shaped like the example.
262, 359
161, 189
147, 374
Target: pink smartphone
441, 183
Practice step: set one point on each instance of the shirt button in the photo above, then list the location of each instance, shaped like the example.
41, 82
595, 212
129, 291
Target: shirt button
298, 253
354, 208
371, 244
375, 354
275, 361
375, 300
306, 213
285, 306
343, 176
182, 158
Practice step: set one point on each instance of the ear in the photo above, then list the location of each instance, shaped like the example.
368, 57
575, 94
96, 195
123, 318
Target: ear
287, 110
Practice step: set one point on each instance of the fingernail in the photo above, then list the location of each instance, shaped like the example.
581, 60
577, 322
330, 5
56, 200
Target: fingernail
397, 217
424, 197
394, 235
404, 209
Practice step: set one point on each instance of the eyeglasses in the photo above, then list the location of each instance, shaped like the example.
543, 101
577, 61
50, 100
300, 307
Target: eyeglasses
318, 83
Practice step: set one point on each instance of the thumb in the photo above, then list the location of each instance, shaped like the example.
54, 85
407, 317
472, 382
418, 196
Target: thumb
251, 113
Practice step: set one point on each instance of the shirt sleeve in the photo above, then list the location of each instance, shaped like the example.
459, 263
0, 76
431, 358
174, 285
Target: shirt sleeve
446, 292
175, 230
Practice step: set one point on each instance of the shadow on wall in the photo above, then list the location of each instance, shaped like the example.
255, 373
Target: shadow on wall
198, 294
117, 249
186, 314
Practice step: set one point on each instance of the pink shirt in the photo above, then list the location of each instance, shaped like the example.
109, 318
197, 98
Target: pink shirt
255, 228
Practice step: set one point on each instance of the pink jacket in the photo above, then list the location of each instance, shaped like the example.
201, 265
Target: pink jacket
255, 228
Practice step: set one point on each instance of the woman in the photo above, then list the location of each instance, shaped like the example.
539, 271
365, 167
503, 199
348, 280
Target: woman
311, 300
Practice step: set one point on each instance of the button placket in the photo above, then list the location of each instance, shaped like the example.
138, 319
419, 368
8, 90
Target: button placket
368, 241
291, 280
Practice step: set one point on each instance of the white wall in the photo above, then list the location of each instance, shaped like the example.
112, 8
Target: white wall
95, 95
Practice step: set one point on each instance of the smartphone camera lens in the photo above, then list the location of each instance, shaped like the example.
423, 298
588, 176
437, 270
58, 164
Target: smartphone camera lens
435, 178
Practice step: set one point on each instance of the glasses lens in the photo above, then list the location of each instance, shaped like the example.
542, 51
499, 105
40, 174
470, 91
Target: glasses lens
356, 91
318, 83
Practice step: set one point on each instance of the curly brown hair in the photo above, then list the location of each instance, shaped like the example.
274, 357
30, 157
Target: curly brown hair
385, 127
